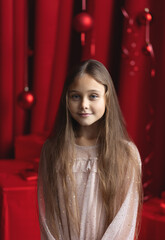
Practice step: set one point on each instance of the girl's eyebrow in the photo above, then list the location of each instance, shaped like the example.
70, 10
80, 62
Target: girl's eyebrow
92, 90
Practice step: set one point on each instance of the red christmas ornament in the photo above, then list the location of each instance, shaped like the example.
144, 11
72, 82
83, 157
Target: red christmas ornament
147, 49
82, 22
144, 17
153, 72
26, 99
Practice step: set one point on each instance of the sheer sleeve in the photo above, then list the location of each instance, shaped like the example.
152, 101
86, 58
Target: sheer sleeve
124, 224
91, 209
44, 230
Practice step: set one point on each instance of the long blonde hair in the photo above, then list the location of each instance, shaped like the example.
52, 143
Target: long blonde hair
115, 161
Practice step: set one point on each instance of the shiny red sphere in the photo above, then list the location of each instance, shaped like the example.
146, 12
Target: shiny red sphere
82, 22
144, 17
147, 49
26, 99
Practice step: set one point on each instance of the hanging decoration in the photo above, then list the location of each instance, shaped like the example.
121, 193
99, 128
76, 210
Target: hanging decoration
83, 22
26, 98
143, 20
144, 17
147, 49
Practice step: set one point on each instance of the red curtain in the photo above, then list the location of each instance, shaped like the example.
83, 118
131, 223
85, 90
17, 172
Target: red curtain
13, 39
158, 38
57, 46
141, 95
52, 38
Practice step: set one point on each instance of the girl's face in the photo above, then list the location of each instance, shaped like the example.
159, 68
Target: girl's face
86, 100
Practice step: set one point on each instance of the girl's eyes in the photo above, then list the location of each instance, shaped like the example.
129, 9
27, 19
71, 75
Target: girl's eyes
93, 96
77, 97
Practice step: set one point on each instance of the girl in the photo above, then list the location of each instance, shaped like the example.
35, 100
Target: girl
89, 185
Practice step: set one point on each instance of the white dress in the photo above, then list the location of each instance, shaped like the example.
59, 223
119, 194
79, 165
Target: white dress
90, 205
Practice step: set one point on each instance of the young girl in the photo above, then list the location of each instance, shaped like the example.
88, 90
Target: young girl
89, 185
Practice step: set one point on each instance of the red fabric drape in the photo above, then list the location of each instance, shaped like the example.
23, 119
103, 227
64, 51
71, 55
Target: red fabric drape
139, 91
136, 84
53, 27
12, 70
101, 34
158, 38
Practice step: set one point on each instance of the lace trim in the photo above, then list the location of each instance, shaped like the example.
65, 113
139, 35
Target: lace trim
85, 165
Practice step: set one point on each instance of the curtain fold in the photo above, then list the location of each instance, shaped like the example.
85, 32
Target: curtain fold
12, 64
6, 75
158, 39
46, 22
134, 70
141, 95
20, 52
52, 37
60, 61
101, 35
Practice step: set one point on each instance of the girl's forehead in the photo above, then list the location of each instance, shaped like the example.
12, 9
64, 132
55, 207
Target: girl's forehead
86, 82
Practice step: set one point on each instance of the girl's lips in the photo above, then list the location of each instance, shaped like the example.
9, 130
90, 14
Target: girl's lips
85, 114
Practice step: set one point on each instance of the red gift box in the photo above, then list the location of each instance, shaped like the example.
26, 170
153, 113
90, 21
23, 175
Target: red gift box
18, 202
28, 147
153, 221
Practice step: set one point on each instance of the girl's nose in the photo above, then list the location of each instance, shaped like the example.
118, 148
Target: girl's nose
84, 103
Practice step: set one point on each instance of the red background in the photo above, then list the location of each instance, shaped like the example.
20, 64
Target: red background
46, 27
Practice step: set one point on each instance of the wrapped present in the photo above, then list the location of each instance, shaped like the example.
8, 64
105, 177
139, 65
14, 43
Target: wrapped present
28, 147
18, 201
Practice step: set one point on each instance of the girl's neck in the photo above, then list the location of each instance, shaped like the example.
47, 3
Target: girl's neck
85, 142
87, 136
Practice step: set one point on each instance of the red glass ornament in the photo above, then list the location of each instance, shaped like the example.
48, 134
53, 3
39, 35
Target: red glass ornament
148, 126
82, 22
144, 17
26, 99
153, 72
147, 49
125, 52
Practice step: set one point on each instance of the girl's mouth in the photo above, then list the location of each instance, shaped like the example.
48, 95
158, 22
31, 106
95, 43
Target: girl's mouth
85, 114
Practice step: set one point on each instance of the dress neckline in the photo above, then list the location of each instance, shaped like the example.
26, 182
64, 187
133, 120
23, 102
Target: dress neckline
86, 147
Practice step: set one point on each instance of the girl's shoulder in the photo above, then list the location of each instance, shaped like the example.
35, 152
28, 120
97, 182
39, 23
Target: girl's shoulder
134, 151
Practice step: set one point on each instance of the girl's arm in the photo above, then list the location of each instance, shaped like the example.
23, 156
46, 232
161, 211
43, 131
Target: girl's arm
44, 230
124, 224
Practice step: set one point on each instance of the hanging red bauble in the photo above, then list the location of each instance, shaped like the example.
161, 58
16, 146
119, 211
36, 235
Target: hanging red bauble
144, 17
147, 49
26, 99
82, 22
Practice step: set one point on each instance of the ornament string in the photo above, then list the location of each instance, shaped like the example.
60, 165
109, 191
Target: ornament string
84, 5
83, 37
26, 85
